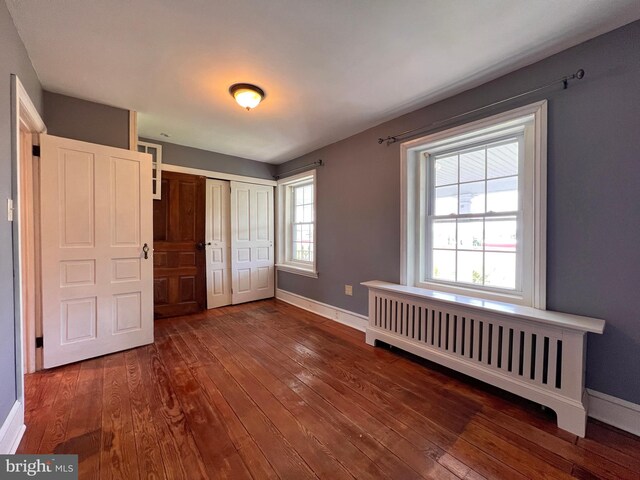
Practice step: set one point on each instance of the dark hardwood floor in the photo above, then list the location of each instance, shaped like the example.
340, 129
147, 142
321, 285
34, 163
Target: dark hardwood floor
266, 390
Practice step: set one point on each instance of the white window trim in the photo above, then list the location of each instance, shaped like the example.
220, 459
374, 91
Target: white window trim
411, 188
283, 240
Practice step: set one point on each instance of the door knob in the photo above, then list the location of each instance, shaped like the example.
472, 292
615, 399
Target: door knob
145, 250
202, 245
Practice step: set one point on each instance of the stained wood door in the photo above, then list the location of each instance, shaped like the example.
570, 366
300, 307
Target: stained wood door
252, 230
179, 282
218, 243
95, 210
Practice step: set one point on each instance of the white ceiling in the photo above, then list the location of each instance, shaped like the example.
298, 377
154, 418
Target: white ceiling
330, 68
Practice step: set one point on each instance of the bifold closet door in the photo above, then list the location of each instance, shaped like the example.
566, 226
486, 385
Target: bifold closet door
252, 239
218, 243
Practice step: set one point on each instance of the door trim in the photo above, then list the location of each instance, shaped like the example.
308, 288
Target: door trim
23, 111
217, 175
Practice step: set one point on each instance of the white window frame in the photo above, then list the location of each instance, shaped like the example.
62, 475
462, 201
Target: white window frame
284, 261
156, 165
414, 192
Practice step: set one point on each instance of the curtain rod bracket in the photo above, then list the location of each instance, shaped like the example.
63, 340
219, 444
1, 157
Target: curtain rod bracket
391, 139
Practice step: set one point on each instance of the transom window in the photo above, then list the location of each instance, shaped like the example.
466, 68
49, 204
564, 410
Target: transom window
473, 198
297, 224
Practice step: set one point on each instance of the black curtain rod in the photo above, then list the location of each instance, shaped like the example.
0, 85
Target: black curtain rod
408, 133
317, 163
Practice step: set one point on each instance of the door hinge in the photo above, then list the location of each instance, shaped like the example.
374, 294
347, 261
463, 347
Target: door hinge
39, 342
35, 150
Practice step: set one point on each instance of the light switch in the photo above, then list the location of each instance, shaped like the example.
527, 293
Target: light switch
10, 209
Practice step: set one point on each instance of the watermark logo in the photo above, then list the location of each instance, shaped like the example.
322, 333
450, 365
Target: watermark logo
50, 467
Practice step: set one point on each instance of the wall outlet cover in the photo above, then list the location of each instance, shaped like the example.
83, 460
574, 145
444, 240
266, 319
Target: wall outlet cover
348, 290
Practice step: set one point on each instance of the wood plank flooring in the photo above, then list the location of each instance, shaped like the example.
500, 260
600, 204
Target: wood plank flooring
266, 390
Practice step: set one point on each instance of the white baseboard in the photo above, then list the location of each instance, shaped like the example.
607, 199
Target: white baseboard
351, 319
12, 429
614, 411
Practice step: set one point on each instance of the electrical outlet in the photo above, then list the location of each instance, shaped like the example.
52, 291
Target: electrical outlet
348, 290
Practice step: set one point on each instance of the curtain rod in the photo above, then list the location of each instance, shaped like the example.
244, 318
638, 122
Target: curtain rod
318, 163
408, 133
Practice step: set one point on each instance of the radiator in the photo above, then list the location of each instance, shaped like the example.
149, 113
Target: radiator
537, 354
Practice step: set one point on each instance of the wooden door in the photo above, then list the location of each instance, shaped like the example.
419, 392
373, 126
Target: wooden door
218, 243
252, 262
95, 210
179, 282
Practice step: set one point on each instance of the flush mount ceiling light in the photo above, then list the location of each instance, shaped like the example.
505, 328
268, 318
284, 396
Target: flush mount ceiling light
248, 96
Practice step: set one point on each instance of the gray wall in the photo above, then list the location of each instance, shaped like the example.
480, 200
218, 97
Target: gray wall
206, 160
13, 60
92, 122
593, 221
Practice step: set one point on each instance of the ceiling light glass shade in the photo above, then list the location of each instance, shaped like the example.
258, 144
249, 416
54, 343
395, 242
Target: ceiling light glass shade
248, 96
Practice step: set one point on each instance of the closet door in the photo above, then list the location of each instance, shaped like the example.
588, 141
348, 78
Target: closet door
218, 243
252, 238
179, 246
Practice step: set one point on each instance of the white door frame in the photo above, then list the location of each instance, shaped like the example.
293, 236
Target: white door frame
23, 113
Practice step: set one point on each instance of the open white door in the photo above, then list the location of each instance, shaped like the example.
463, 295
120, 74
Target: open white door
97, 280
252, 242
218, 243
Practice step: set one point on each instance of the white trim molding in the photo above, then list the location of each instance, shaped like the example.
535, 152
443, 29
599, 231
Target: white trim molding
168, 167
350, 319
614, 411
529, 123
133, 130
12, 429
284, 221
24, 113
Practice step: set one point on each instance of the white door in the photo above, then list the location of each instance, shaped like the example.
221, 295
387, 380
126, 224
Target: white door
218, 243
97, 281
252, 264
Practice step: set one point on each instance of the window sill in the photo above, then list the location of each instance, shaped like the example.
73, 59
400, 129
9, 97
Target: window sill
297, 270
482, 294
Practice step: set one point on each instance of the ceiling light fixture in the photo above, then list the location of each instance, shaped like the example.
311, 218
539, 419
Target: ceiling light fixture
248, 96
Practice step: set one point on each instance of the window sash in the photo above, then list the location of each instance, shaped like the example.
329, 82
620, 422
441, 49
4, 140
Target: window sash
293, 191
427, 217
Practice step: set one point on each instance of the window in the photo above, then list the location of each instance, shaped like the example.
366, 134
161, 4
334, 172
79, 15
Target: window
474, 208
156, 165
297, 224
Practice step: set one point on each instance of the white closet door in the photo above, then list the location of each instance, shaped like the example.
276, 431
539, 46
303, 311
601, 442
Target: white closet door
252, 231
96, 218
218, 243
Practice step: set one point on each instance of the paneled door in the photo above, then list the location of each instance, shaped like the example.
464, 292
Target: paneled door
218, 243
179, 282
252, 262
96, 234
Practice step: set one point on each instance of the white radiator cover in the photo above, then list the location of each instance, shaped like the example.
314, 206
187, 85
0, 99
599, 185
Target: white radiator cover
539, 355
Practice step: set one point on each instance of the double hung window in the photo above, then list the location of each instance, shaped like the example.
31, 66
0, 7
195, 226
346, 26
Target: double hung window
297, 224
474, 220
